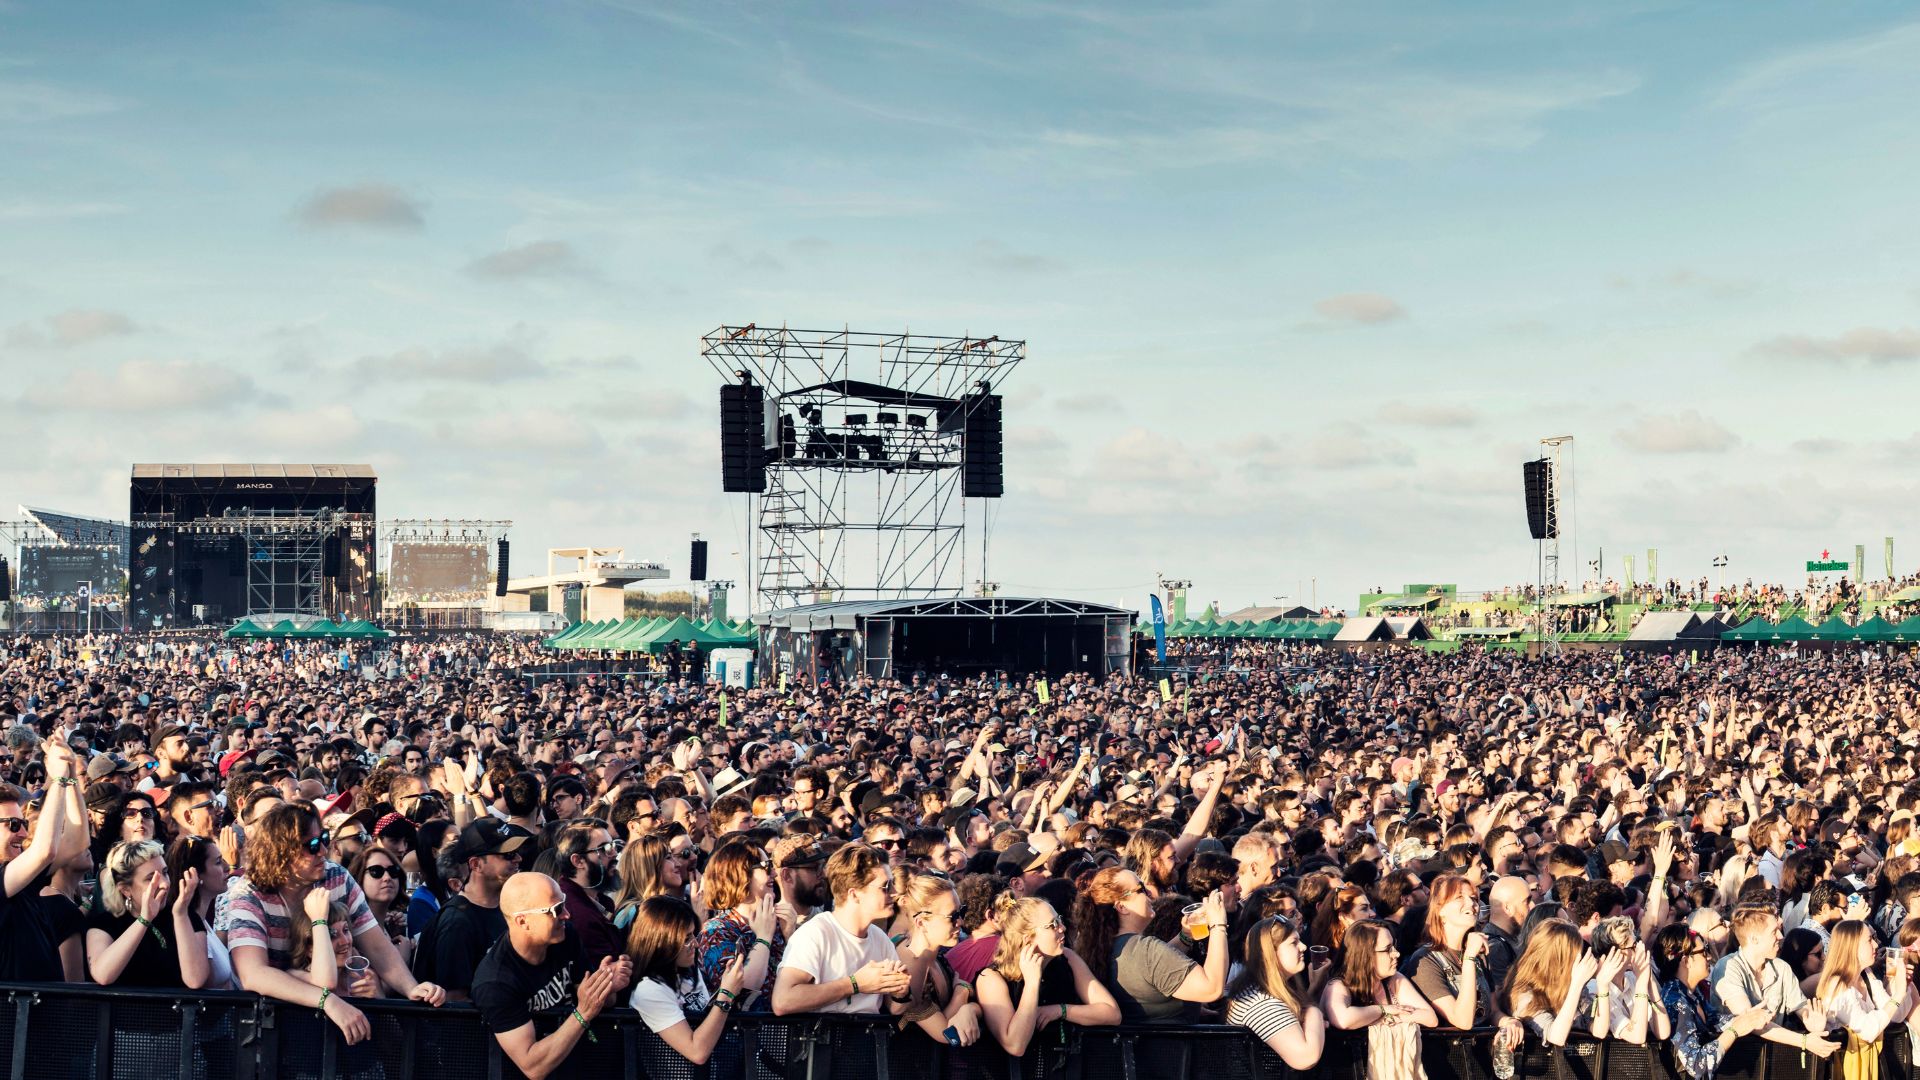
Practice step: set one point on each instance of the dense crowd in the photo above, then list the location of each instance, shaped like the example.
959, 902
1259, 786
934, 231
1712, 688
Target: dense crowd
1651, 849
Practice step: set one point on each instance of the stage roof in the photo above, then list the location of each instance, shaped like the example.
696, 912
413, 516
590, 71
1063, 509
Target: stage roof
845, 614
362, 472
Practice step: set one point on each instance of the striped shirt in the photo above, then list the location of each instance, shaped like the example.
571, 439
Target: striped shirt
1264, 1015
261, 919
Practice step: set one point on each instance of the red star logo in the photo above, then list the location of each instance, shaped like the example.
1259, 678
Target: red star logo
1824, 557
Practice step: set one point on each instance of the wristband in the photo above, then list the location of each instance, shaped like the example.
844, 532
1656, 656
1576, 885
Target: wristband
855, 983
764, 941
725, 1005
591, 1037
325, 993
318, 922
66, 781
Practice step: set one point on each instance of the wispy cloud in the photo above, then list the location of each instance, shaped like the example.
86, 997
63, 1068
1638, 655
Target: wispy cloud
1429, 414
1779, 80
1871, 344
542, 258
372, 206
144, 386
1364, 309
1679, 433
31, 210
76, 327
38, 102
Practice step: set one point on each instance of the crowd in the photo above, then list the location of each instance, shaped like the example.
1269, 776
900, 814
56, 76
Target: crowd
1697, 854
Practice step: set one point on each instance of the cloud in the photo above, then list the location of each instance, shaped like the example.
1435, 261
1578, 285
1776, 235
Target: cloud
1430, 415
32, 102
371, 206
1869, 343
994, 255
1088, 404
144, 386
478, 364
29, 210
1842, 63
1679, 433
76, 327
1365, 309
1349, 446
541, 258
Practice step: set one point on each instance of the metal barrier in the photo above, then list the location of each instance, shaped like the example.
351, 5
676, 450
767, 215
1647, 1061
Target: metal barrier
68, 1031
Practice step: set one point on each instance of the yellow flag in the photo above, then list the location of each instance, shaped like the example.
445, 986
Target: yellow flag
1166, 691
1044, 696
783, 682
723, 710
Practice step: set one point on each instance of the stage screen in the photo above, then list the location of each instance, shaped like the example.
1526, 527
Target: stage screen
438, 573
55, 573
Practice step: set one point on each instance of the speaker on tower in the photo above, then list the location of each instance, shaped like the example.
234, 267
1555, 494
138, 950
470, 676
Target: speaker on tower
697, 561
1542, 520
330, 556
500, 567
981, 451
6, 581
743, 452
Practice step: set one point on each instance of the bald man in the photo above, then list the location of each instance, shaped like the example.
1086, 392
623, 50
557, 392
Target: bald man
531, 969
1508, 904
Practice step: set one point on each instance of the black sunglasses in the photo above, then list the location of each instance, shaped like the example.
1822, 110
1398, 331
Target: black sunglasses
378, 872
14, 825
317, 845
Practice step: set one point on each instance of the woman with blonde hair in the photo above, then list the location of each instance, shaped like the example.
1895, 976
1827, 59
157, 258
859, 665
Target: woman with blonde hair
1276, 998
131, 939
645, 869
1371, 993
1856, 1001
931, 909
1035, 981
1547, 984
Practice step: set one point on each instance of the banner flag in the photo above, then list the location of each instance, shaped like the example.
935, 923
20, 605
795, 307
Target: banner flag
1159, 630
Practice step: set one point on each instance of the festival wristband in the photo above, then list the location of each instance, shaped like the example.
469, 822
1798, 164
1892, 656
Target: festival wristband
588, 1028
764, 941
325, 993
855, 983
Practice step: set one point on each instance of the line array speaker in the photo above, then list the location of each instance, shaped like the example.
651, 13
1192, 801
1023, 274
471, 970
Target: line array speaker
743, 453
981, 452
1542, 520
697, 561
330, 556
500, 567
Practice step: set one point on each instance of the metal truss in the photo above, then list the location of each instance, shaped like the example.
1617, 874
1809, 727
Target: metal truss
864, 473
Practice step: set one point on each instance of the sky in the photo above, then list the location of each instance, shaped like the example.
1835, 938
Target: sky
1302, 283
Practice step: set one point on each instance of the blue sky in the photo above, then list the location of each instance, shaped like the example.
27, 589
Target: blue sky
1303, 284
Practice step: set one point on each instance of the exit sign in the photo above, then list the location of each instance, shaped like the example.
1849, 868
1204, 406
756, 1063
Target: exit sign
1818, 567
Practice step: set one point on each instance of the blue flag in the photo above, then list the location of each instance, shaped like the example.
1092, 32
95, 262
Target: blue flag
1159, 629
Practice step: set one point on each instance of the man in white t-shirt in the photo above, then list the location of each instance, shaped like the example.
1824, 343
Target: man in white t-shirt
839, 961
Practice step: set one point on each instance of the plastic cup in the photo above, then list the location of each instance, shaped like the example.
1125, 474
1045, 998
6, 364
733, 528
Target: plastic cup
357, 965
1194, 919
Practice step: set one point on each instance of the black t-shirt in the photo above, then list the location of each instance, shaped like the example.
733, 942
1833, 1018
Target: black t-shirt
27, 952
508, 990
154, 964
453, 943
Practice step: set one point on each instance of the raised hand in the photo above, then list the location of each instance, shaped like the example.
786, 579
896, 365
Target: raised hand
316, 904
763, 921
1584, 969
734, 976
189, 886
596, 989
1475, 946
153, 898
1663, 854
1032, 962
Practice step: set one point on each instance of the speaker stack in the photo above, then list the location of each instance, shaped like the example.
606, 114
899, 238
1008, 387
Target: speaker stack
697, 561
743, 455
1542, 522
982, 453
500, 568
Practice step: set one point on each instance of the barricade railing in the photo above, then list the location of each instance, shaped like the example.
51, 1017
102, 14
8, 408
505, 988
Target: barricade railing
69, 1031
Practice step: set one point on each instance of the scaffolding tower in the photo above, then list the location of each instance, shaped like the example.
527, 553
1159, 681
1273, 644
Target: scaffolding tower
864, 476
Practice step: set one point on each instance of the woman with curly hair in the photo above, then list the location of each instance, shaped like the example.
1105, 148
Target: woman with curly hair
1151, 980
290, 887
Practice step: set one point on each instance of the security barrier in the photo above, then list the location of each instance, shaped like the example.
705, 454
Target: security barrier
66, 1031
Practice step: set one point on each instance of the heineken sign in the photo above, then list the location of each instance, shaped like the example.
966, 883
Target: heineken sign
1818, 567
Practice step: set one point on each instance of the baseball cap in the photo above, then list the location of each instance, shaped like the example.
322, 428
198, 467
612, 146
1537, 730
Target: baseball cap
105, 765
809, 853
1614, 851
1018, 859
167, 731
490, 836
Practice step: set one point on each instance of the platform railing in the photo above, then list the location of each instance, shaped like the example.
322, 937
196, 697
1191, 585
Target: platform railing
65, 1031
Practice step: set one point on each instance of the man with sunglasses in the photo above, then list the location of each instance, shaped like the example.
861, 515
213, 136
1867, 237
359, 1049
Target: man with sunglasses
453, 944
190, 810
531, 970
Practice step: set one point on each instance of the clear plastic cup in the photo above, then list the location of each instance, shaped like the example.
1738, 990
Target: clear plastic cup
1194, 918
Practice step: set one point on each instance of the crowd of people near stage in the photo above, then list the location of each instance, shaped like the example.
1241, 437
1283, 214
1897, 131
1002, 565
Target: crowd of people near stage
1705, 854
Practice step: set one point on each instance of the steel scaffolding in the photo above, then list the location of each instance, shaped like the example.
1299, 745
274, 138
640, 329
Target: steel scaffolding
864, 475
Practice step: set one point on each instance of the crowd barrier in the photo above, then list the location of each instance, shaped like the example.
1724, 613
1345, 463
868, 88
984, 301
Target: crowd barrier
55, 1031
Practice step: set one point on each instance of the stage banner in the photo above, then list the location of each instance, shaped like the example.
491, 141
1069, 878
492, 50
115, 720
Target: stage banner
1653, 567
1160, 628
1859, 564
1889, 558
1627, 561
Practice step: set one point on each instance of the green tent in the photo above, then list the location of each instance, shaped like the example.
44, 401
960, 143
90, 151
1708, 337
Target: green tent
1834, 629
1793, 628
1874, 629
1908, 630
1754, 629
678, 629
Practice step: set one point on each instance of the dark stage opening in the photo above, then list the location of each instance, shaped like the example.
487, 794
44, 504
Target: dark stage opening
1054, 645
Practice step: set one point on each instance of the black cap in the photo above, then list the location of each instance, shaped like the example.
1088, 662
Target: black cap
490, 836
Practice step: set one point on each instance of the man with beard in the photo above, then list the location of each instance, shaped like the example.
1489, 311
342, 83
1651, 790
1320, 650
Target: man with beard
454, 942
173, 759
585, 853
797, 861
